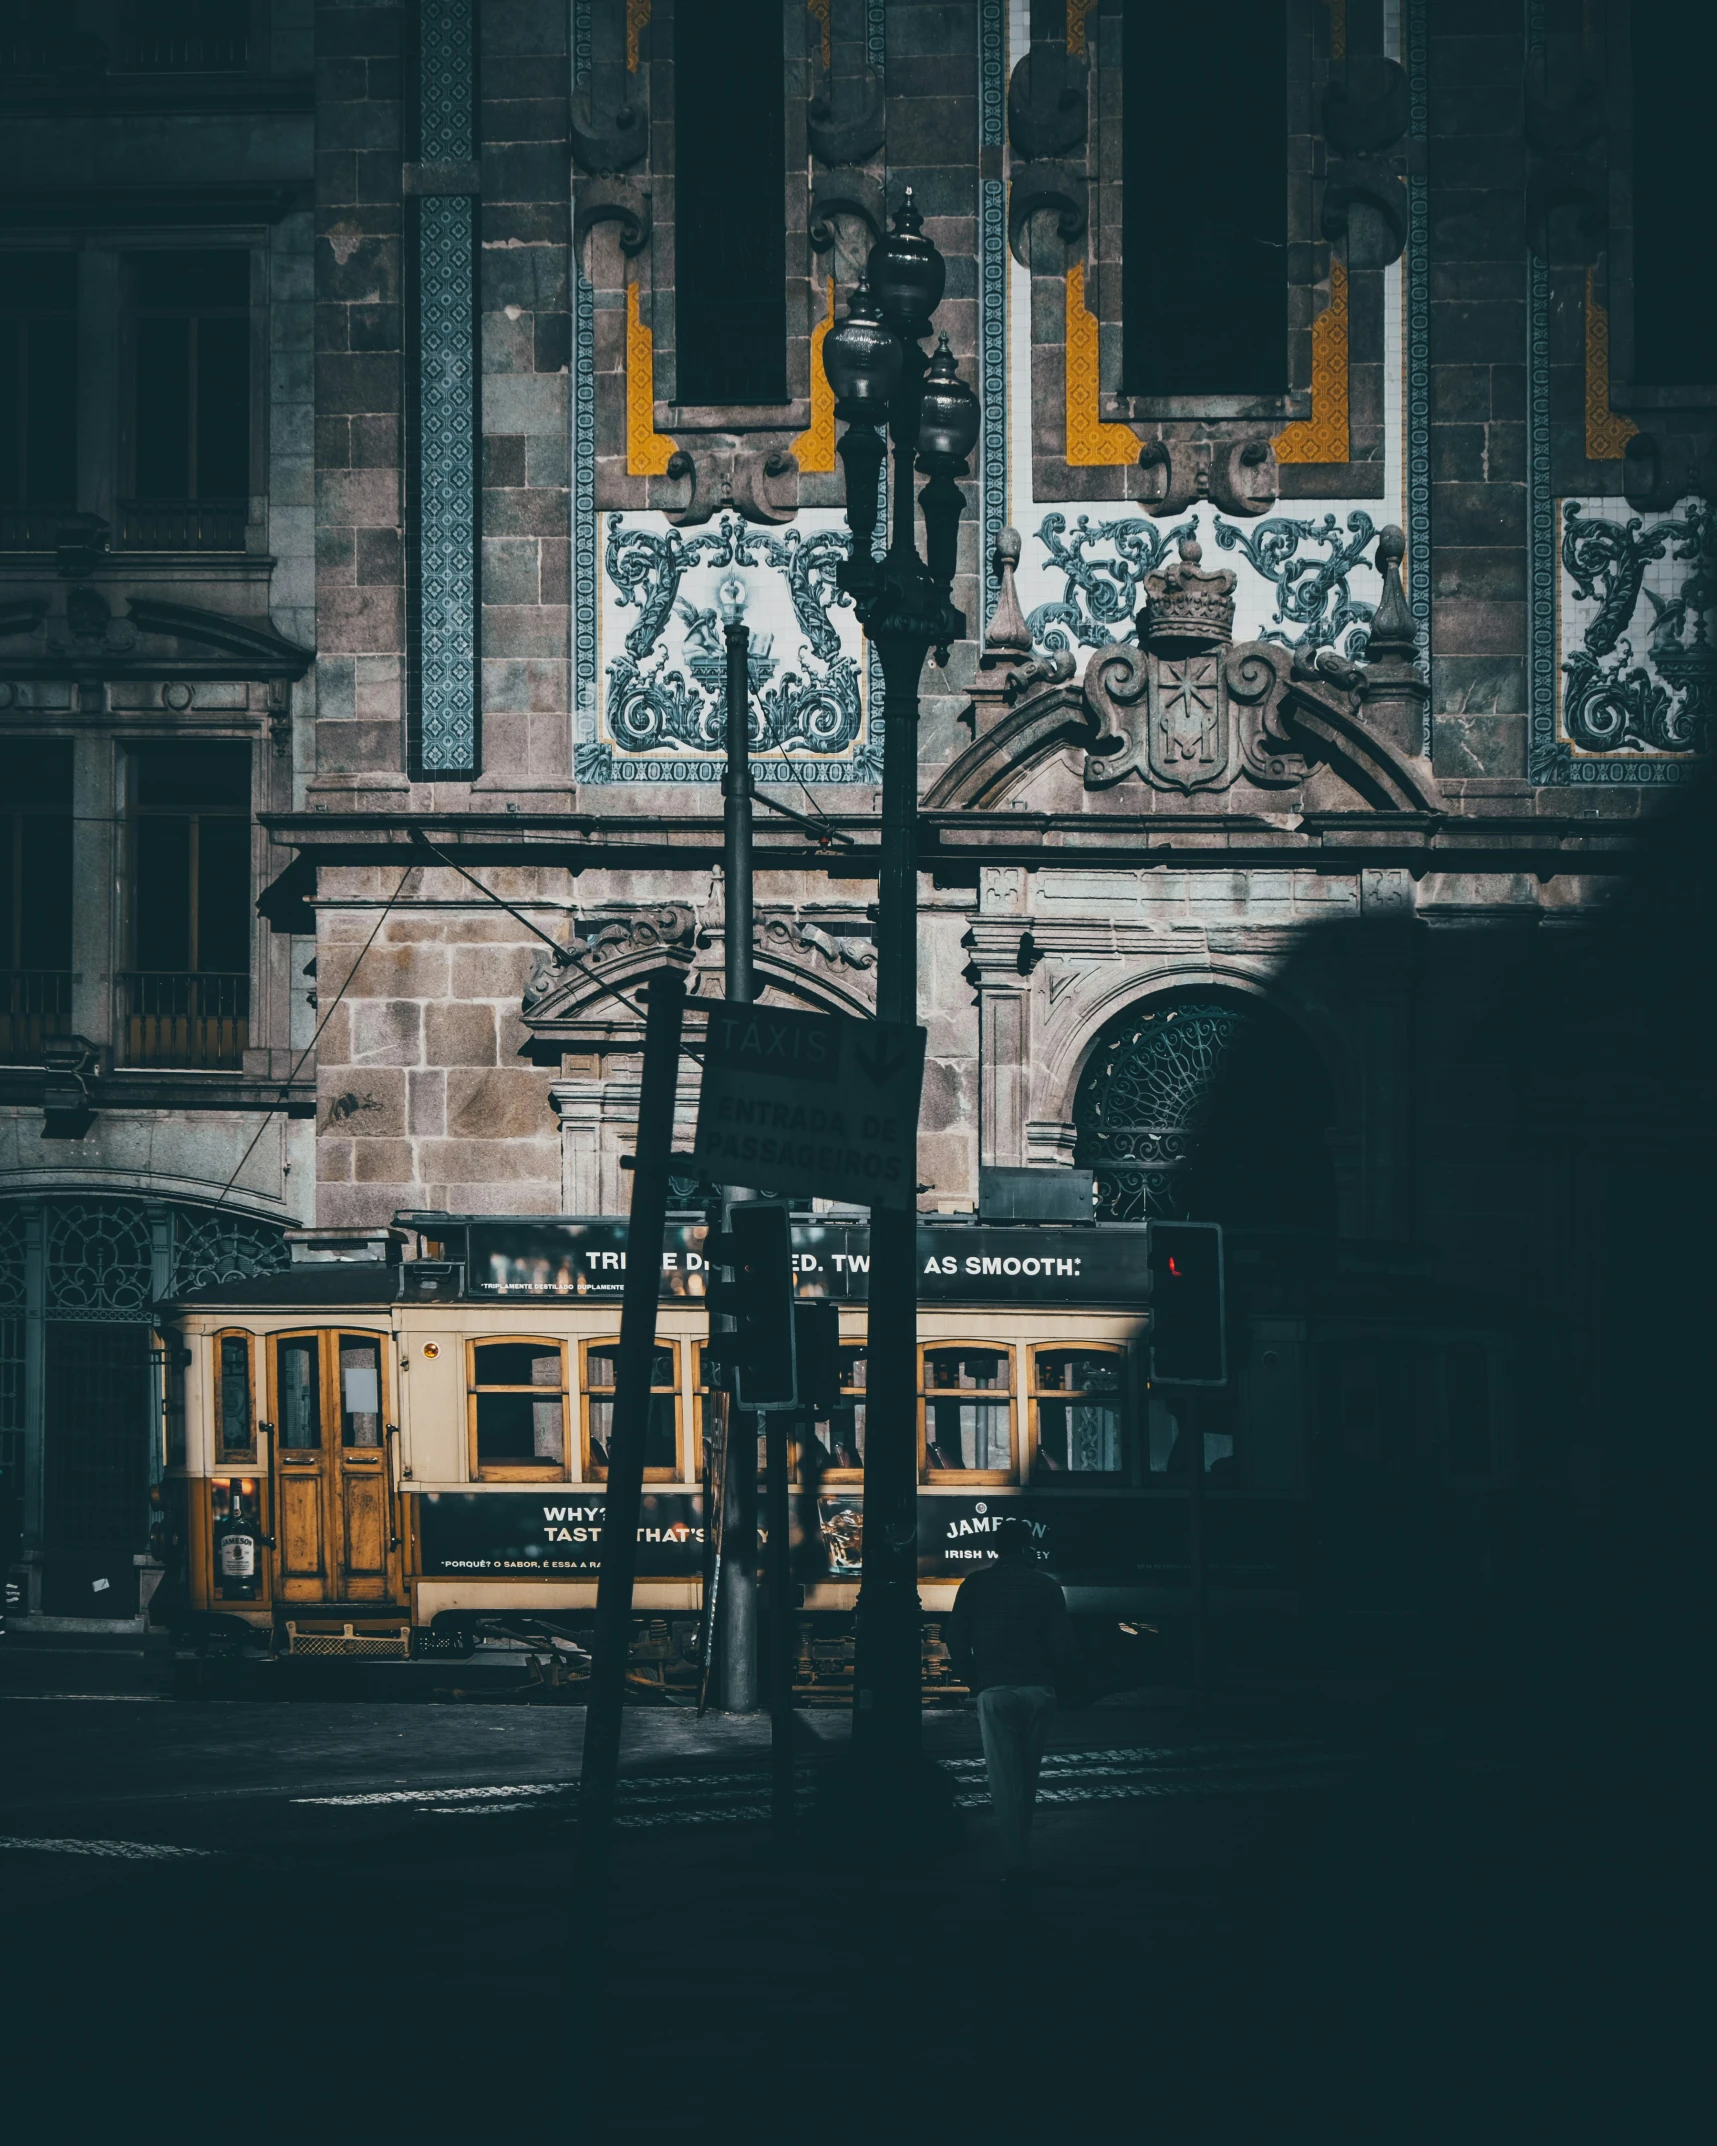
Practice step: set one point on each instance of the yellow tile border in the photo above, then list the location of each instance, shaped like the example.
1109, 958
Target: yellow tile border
1325, 436
1607, 433
815, 446
820, 10
1091, 444
637, 21
1077, 10
648, 452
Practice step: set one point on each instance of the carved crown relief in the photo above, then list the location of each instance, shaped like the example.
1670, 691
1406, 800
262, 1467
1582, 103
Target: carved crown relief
1185, 710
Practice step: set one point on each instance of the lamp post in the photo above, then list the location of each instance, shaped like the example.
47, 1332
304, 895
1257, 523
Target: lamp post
881, 377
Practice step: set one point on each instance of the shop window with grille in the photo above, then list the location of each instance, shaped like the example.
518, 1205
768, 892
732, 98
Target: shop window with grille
184, 999
662, 1434
517, 1399
1204, 277
35, 895
966, 1413
189, 402
38, 397
1078, 1413
730, 245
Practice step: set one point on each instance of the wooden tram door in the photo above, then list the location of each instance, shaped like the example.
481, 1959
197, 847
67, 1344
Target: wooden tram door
334, 1533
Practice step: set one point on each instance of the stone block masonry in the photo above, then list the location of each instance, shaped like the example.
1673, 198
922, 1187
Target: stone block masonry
422, 1097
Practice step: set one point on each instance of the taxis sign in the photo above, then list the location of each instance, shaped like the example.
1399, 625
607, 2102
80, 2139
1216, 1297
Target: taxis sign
817, 1103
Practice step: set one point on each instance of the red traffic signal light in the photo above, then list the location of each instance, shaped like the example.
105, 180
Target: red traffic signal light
1188, 1340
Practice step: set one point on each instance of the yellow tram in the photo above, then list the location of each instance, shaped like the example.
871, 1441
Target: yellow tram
364, 1452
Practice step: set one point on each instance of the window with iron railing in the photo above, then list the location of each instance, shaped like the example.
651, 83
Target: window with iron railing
38, 397
35, 895
189, 403
185, 998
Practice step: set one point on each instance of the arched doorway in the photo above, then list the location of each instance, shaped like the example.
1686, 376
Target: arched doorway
1209, 1105
81, 1399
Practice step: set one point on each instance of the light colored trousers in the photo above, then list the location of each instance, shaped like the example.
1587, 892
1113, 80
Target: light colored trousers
1014, 1719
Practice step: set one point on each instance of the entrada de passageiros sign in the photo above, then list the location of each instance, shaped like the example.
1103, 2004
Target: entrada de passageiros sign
815, 1103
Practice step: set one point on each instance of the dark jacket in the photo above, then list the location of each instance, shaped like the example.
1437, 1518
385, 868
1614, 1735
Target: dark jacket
1010, 1627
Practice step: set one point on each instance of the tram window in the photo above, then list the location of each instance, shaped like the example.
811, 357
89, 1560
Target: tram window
237, 1424
966, 1410
842, 1436
298, 1382
360, 1391
1076, 1405
518, 1408
661, 1437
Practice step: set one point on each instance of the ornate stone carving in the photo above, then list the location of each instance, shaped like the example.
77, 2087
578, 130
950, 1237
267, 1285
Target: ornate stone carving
615, 201
844, 123
1047, 102
1047, 189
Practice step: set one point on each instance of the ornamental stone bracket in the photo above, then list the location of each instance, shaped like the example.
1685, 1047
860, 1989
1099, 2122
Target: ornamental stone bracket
1186, 712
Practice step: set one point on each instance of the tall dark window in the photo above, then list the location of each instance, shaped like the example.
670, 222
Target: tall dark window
35, 894
1204, 281
1675, 246
185, 999
190, 401
730, 241
183, 36
38, 380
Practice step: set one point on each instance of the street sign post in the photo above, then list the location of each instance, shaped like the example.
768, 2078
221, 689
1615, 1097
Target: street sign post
818, 1103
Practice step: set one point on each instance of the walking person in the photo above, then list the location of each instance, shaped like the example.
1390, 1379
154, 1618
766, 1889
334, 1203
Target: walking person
1009, 1638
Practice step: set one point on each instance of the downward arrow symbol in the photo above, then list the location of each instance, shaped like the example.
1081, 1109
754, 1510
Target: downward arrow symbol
879, 1062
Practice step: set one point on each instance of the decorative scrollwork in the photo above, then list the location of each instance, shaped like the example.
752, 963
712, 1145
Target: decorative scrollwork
1141, 1099
99, 1260
11, 1260
225, 1248
814, 707
1311, 593
1100, 597
1667, 702
1101, 594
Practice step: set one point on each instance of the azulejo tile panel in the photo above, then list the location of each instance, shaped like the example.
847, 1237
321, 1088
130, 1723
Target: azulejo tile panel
1308, 580
665, 596
1636, 663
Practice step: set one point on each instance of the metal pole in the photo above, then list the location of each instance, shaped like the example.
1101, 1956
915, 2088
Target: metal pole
783, 1636
612, 1645
1192, 1430
887, 1724
739, 1514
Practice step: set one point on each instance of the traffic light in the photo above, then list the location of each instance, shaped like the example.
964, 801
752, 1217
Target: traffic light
1187, 1339
750, 1297
817, 1341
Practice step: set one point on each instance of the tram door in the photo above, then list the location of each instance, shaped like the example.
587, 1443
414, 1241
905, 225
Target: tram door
334, 1533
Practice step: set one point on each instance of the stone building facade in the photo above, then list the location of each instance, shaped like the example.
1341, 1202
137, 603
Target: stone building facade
1334, 632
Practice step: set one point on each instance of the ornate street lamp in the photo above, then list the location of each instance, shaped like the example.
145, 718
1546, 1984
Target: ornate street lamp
881, 377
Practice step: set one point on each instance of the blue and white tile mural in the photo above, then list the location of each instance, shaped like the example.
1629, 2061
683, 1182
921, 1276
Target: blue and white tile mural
1637, 666
1307, 579
665, 596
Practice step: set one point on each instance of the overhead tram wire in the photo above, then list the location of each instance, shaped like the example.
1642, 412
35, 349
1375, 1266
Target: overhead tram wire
286, 1085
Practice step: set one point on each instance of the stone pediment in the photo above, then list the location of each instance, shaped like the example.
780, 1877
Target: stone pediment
1198, 721
85, 637
574, 999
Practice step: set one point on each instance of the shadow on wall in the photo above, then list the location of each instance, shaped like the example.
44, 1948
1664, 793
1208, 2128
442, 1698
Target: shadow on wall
1539, 1102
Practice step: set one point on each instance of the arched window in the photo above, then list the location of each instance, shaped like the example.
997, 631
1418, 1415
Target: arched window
1206, 1104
